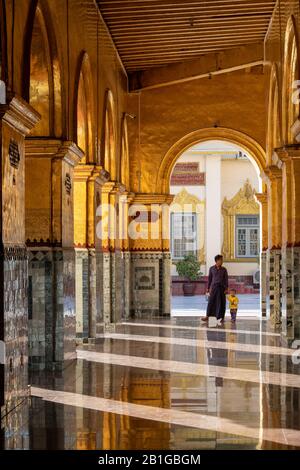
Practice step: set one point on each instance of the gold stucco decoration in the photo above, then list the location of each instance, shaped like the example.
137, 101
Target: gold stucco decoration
186, 202
243, 202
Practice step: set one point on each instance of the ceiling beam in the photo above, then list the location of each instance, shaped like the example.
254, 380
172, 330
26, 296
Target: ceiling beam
204, 66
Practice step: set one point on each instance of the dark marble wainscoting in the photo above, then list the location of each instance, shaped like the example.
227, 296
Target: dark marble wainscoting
100, 290
150, 284
87, 293
13, 327
295, 320
119, 283
52, 322
82, 293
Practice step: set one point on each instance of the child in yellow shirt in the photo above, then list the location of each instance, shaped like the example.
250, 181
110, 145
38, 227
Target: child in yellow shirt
233, 304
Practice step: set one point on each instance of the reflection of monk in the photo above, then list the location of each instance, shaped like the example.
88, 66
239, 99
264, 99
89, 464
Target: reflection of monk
217, 288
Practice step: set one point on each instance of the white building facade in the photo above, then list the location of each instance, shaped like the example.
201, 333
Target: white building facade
215, 211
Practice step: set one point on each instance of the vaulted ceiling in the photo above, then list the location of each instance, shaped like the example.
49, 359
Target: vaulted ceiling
154, 33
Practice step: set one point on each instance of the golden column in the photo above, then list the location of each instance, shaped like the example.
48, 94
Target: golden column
87, 185
289, 159
49, 199
116, 261
273, 176
103, 233
124, 201
17, 119
150, 255
263, 200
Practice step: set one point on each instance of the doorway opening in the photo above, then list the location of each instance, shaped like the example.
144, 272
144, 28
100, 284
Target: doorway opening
215, 211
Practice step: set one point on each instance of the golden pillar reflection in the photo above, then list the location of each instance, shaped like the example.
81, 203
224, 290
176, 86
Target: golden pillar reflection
148, 390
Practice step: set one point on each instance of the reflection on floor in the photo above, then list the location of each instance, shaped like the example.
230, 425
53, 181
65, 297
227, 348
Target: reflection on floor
169, 384
195, 306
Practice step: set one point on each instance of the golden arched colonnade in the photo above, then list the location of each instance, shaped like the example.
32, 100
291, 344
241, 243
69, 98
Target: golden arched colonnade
87, 150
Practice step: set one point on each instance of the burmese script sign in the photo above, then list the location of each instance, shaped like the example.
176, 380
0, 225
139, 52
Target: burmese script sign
187, 174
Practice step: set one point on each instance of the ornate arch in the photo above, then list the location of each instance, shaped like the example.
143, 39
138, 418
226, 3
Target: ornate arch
42, 72
125, 170
290, 107
109, 140
220, 133
84, 109
274, 137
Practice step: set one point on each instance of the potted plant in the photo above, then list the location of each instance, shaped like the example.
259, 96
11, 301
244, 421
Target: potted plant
189, 267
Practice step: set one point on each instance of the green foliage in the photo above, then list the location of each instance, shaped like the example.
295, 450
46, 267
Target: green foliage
189, 267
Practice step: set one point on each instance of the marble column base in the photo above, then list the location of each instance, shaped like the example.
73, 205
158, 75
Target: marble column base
104, 273
287, 261
127, 284
263, 283
52, 321
150, 284
86, 293
295, 315
14, 327
82, 292
93, 292
273, 273
276, 316
112, 289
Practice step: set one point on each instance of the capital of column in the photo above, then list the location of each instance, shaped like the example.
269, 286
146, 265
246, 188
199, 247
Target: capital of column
262, 197
19, 114
272, 172
288, 152
70, 152
107, 187
130, 197
55, 149
83, 172
118, 188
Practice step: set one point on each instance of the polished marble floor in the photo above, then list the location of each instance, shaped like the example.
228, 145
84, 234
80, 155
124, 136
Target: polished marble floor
170, 384
195, 306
